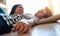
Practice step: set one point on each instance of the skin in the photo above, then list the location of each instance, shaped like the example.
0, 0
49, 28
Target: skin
41, 13
21, 27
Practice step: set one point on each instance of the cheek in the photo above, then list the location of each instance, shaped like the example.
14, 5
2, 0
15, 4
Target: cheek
20, 10
44, 14
38, 15
16, 10
41, 15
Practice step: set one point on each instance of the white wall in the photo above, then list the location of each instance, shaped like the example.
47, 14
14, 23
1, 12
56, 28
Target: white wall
30, 6
56, 6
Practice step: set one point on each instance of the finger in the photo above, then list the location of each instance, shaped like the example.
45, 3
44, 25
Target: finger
15, 26
18, 27
25, 29
28, 29
20, 30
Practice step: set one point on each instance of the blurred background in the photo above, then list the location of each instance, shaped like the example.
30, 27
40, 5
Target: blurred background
32, 6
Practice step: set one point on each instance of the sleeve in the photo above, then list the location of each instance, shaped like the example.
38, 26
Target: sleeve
50, 19
16, 18
5, 25
33, 19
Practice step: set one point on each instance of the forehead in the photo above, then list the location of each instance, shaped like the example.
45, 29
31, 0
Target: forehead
39, 10
20, 6
42, 10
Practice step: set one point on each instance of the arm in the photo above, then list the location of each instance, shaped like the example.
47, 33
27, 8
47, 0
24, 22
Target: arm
50, 19
45, 20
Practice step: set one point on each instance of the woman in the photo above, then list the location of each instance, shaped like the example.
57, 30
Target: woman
18, 10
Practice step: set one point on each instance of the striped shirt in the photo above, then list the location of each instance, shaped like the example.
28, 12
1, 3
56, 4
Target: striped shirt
15, 18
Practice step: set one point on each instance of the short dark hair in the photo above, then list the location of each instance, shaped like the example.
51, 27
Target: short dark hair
14, 8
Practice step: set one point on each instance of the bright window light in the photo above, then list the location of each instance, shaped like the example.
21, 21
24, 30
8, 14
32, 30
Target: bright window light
56, 6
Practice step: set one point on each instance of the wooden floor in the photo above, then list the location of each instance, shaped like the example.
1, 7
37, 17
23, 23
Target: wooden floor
50, 29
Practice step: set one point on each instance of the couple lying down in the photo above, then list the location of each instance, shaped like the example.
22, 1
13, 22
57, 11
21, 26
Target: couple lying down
24, 22
27, 20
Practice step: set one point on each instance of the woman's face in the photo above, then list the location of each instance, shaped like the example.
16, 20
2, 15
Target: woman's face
19, 10
41, 13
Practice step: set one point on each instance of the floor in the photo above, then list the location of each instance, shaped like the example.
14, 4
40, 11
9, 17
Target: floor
52, 29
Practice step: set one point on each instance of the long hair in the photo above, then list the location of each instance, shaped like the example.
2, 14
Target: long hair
14, 8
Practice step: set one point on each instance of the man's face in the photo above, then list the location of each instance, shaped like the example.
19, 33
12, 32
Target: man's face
41, 13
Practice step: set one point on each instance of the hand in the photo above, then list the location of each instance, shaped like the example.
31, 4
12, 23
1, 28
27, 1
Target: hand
22, 27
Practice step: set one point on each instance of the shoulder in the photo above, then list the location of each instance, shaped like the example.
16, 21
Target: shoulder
27, 15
